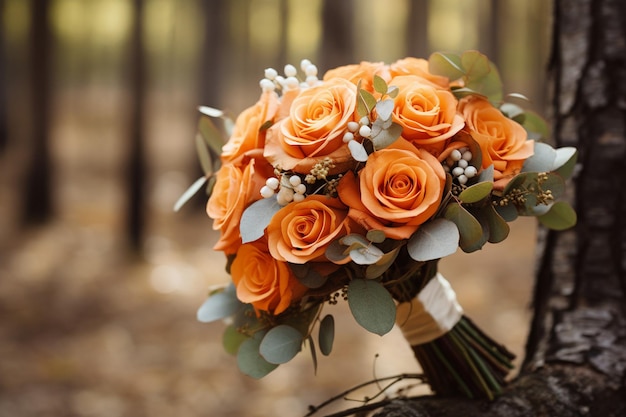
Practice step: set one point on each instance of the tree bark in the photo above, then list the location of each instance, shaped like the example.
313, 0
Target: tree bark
338, 37
576, 351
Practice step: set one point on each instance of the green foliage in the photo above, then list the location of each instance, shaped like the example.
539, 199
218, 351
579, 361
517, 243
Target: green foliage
479, 75
470, 229
375, 270
476, 192
280, 344
371, 305
256, 217
565, 161
358, 151
219, 305
434, 240
560, 216
249, 358
190, 192
497, 227
307, 275
326, 334
232, 339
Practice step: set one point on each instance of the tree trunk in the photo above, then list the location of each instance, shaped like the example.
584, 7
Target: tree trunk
37, 205
576, 352
4, 134
337, 29
135, 221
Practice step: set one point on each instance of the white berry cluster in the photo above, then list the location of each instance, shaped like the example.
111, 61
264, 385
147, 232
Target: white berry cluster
458, 165
289, 188
362, 128
290, 81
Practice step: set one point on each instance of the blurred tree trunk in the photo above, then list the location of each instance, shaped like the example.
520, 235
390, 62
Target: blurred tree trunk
417, 29
337, 34
135, 221
4, 134
576, 352
37, 198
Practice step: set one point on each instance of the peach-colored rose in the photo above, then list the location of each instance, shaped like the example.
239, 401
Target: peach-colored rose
246, 132
363, 72
427, 115
300, 232
314, 130
399, 188
419, 67
266, 283
503, 142
238, 185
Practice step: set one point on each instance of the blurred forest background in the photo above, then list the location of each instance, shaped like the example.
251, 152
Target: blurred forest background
99, 278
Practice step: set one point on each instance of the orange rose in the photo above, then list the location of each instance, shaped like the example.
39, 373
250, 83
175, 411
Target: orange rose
266, 283
399, 188
300, 232
502, 141
246, 133
427, 115
314, 130
237, 186
363, 72
419, 67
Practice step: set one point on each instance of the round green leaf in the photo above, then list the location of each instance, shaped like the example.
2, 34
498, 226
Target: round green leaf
280, 344
561, 216
232, 339
256, 217
250, 361
446, 64
376, 236
327, 334
307, 275
565, 161
497, 226
371, 305
358, 151
219, 305
434, 240
542, 159
476, 192
471, 233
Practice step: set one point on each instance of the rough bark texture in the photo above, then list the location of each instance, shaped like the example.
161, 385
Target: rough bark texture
576, 352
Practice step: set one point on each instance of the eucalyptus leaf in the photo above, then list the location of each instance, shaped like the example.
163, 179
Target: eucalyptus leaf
471, 233
482, 75
358, 151
313, 353
204, 156
434, 240
496, 225
486, 174
211, 135
565, 161
511, 110
376, 236
375, 270
256, 217
384, 109
560, 217
232, 339
555, 183
307, 275
190, 192
326, 334
380, 86
366, 255
249, 359
535, 125
368, 99
371, 305
387, 136
336, 252
508, 212
219, 305
392, 91
281, 344
542, 160
476, 192
446, 64
210, 111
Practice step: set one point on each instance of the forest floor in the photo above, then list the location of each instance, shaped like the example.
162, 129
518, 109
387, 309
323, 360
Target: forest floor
87, 328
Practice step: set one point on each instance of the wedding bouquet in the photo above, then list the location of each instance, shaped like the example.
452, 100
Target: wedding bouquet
352, 187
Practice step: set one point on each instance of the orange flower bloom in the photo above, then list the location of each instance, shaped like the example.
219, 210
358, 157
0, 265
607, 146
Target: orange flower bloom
314, 130
266, 283
419, 67
427, 115
237, 186
399, 188
246, 133
301, 232
363, 72
503, 142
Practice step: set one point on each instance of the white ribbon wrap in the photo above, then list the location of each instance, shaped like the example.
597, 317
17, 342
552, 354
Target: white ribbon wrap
431, 314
